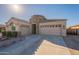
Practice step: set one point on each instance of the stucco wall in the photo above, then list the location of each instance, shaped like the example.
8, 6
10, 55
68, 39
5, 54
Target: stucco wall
25, 30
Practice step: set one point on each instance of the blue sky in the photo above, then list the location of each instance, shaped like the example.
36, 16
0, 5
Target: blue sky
50, 11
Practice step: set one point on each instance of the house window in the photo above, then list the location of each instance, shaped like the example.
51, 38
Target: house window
50, 25
59, 25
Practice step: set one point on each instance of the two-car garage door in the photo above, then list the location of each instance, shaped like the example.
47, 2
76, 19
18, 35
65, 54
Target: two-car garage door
51, 29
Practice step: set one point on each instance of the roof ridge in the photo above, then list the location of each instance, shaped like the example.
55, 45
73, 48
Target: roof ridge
16, 18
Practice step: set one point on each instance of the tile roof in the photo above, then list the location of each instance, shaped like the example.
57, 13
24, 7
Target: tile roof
17, 19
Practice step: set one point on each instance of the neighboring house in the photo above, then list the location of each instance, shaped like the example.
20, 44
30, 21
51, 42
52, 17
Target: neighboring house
73, 30
2, 27
38, 24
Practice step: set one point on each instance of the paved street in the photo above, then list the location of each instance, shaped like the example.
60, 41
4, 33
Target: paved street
73, 44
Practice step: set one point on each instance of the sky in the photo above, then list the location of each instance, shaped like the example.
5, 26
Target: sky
50, 11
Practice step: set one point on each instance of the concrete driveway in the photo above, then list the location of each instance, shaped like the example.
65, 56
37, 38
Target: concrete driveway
48, 45
37, 45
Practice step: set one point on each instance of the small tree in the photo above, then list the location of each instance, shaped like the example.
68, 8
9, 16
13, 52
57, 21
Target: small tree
13, 28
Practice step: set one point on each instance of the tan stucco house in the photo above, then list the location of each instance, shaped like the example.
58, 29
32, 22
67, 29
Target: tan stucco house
73, 30
38, 24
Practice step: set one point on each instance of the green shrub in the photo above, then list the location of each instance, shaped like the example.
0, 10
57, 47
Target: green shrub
4, 33
14, 34
10, 34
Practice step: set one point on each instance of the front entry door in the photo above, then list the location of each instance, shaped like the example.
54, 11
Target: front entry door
33, 28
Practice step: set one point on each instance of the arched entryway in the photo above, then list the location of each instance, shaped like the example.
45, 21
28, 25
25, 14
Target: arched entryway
33, 28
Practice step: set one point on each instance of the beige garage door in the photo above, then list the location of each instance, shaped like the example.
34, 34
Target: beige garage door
50, 30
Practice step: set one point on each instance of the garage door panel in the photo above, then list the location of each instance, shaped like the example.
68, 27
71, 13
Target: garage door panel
52, 31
